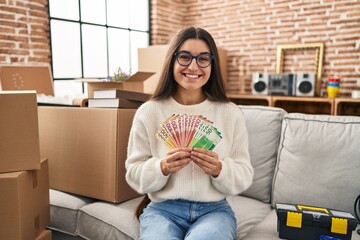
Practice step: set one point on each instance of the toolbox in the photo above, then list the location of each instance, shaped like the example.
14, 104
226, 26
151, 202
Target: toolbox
300, 222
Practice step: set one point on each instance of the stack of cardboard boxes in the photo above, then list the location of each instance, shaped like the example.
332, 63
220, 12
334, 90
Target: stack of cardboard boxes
24, 179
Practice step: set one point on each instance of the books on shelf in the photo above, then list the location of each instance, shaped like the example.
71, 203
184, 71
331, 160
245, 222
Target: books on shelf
112, 103
118, 93
116, 98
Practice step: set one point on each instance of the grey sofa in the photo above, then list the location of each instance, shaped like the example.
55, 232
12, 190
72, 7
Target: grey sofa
297, 158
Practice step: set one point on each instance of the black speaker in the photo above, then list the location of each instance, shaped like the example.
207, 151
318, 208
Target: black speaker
260, 84
305, 84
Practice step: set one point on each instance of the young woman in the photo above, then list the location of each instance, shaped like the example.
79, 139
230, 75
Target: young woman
188, 184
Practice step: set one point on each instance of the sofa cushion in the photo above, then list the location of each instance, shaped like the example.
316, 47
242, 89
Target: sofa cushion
318, 162
64, 209
266, 229
56, 235
264, 127
104, 220
249, 212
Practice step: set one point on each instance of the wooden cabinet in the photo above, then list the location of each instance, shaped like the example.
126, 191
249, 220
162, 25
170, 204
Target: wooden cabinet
311, 105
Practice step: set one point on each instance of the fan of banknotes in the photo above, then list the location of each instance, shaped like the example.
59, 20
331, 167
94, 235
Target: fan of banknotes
185, 130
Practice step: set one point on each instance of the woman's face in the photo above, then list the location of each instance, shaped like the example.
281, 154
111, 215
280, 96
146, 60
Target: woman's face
192, 77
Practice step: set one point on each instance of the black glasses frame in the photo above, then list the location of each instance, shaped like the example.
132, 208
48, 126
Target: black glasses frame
192, 57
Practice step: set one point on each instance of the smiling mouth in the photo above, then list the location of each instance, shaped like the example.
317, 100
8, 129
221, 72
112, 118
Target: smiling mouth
193, 76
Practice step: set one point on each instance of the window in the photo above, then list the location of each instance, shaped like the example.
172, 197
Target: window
93, 38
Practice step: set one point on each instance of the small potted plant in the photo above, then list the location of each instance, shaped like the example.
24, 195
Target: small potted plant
119, 76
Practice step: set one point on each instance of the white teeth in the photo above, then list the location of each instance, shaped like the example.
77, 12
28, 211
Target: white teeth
191, 76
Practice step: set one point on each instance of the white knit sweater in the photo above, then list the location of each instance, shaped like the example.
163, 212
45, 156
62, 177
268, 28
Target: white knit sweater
145, 152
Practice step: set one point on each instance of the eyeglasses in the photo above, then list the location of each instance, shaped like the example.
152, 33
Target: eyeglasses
203, 60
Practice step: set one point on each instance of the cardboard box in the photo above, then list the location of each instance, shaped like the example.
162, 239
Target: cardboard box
19, 131
151, 59
87, 149
36, 78
45, 235
137, 83
25, 205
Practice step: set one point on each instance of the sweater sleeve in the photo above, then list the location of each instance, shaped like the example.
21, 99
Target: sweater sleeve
237, 173
143, 171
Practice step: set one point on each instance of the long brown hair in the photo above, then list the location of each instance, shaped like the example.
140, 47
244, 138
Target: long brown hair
140, 208
214, 88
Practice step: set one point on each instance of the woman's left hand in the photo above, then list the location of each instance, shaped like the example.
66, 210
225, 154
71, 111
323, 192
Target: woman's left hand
207, 160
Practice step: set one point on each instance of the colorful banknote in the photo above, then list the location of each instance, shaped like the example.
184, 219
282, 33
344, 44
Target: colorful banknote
185, 130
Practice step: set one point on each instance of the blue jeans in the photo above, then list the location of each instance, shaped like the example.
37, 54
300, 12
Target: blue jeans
181, 219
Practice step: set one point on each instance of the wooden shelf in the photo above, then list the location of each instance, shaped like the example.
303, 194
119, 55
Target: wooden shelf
311, 105
347, 106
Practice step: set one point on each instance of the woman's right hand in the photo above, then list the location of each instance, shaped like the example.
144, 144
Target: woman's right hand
175, 160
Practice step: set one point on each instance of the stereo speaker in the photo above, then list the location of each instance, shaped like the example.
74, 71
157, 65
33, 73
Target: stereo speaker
305, 84
282, 84
260, 84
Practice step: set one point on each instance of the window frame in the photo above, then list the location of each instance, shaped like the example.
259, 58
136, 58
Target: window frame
80, 22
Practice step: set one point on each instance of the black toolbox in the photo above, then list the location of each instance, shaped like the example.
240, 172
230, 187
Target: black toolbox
300, 222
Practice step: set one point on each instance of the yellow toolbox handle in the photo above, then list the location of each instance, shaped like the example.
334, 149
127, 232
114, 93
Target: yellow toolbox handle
302, 207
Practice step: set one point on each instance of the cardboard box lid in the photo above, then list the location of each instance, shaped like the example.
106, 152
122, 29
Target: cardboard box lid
36, 78
140, 77
137, 77
135, 83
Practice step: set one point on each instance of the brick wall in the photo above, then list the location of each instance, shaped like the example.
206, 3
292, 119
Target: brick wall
24, 32
251, 30
167, 17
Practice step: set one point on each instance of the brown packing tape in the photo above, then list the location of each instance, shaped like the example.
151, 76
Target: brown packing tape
35, 179
82, 102
37, 223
